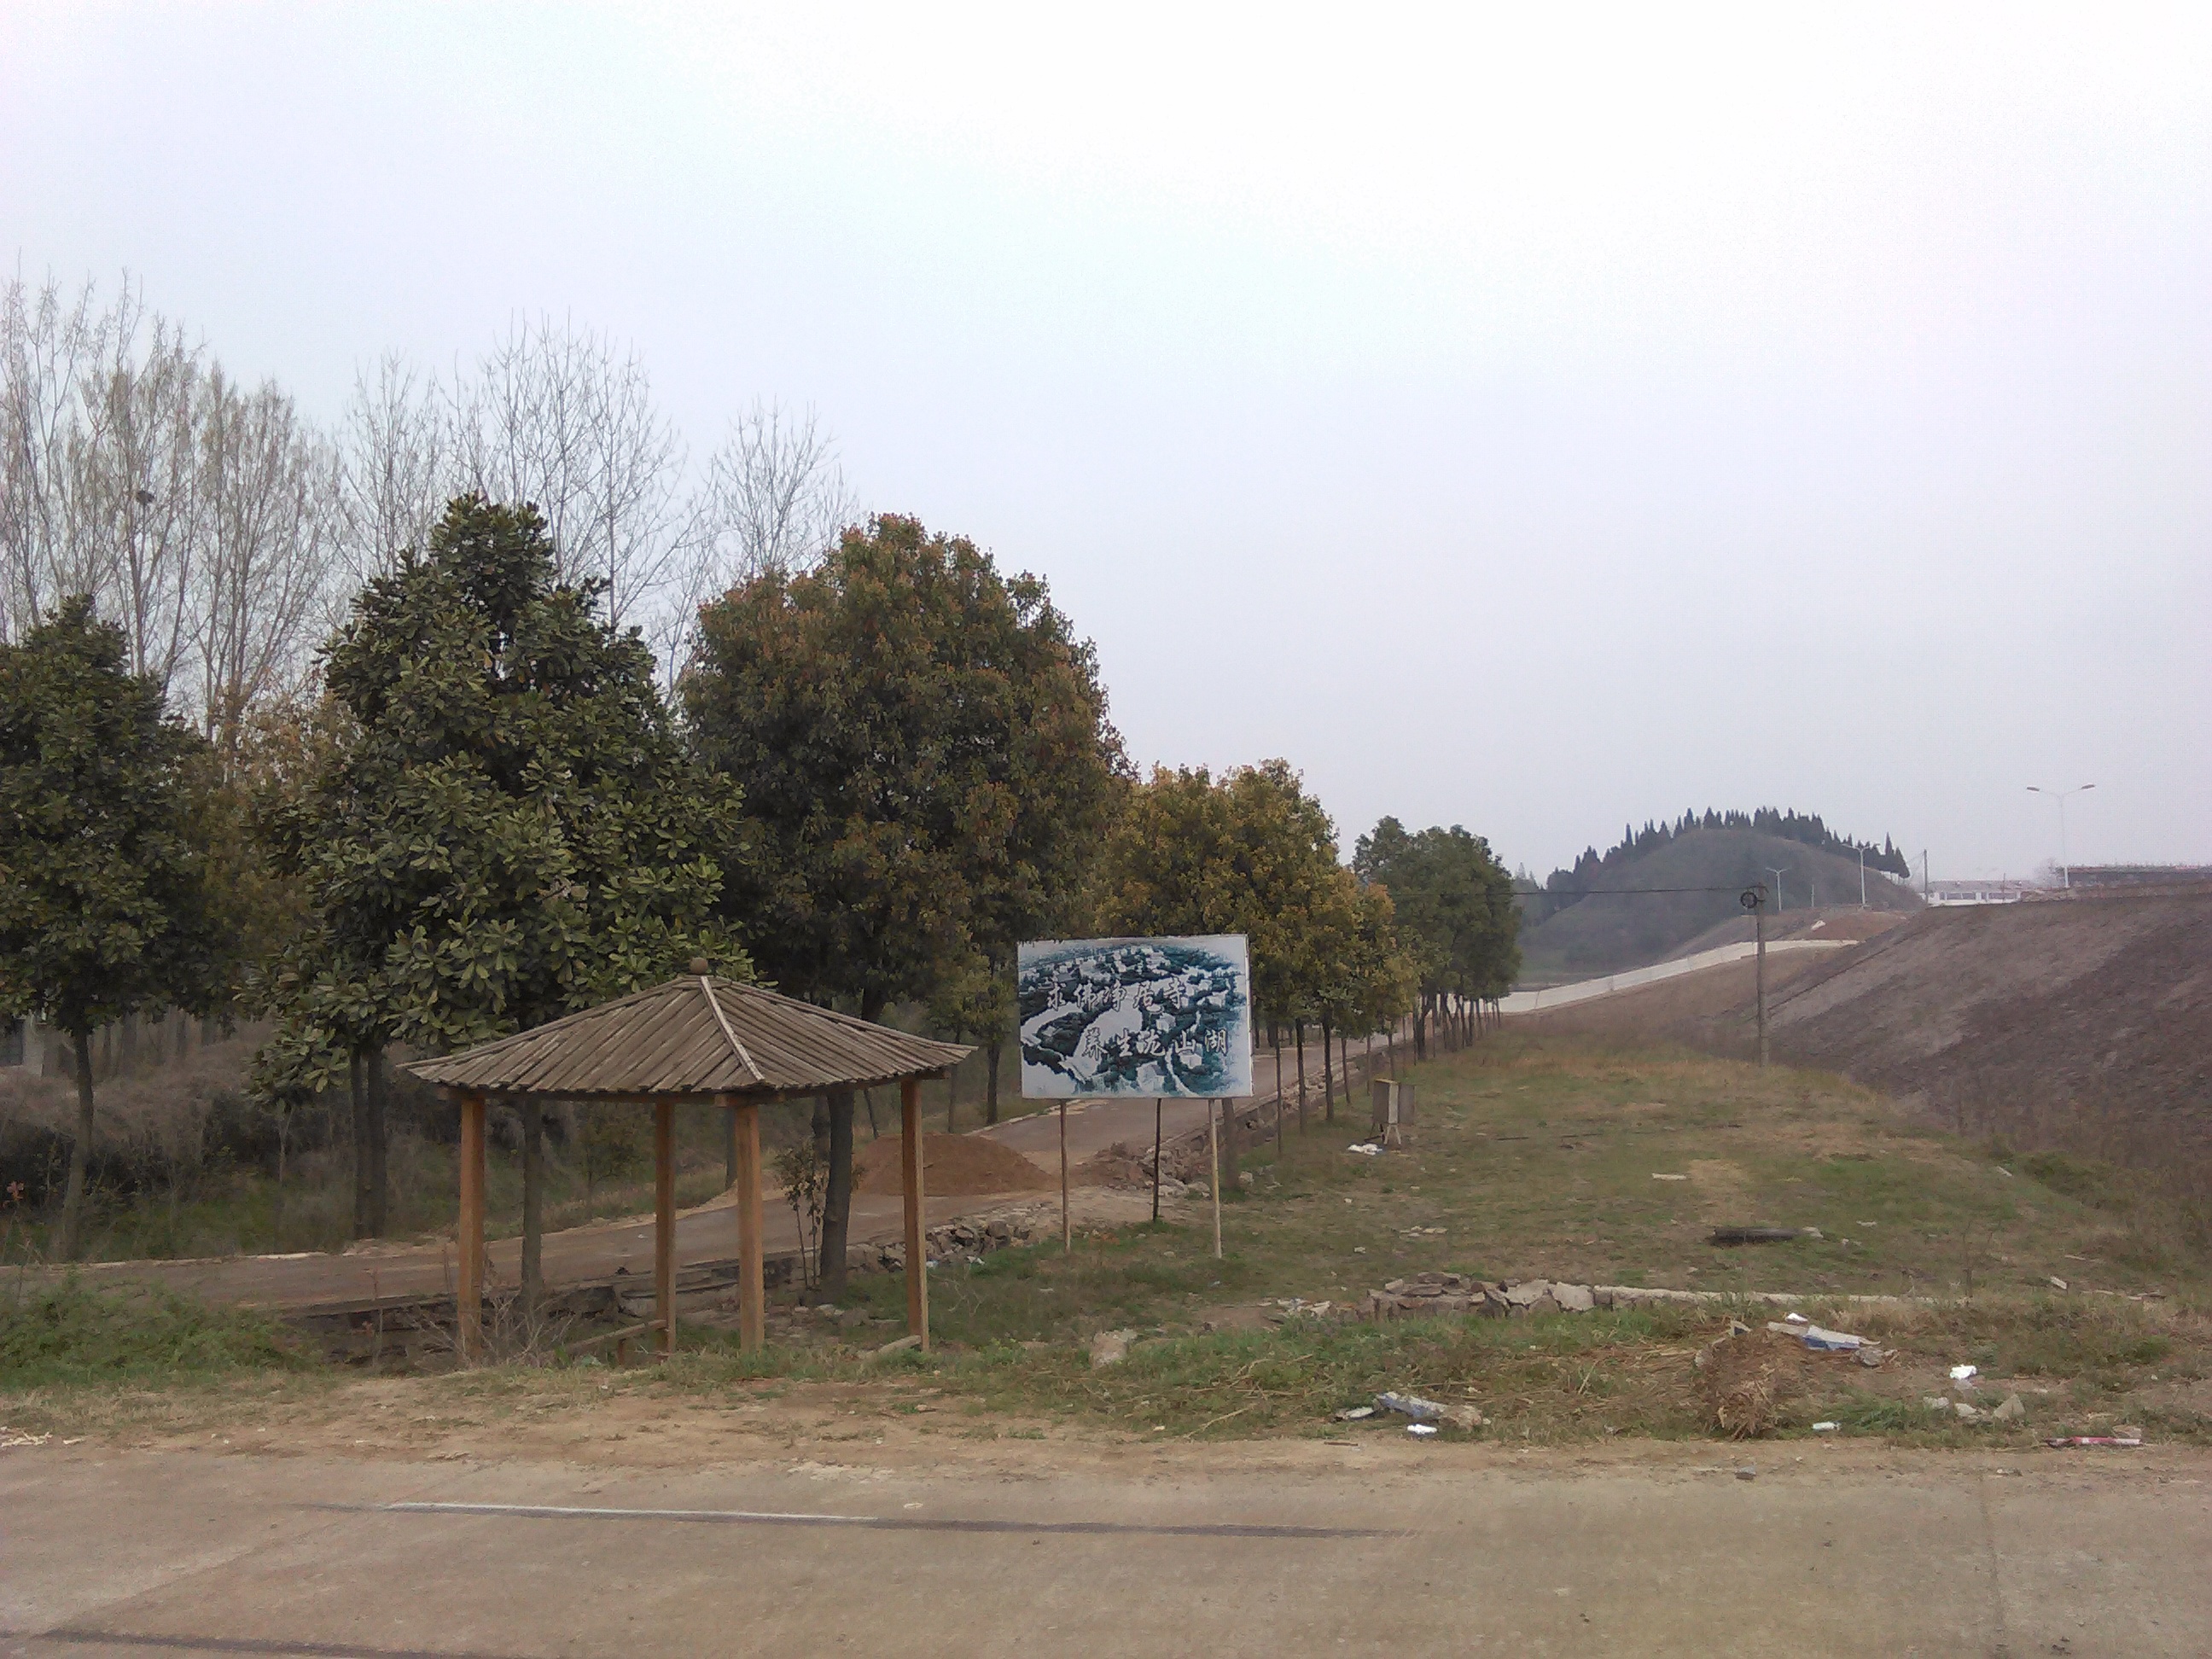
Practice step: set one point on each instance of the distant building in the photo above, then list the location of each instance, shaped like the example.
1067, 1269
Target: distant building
1982, 890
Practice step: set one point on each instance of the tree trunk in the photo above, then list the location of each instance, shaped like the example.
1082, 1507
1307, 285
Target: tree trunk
1275, 1041
379, 1186
80, 1151
1328, 1079
533, 1208
357, 1089
991, 1080
838, 1196
868, 1099
1298, 1036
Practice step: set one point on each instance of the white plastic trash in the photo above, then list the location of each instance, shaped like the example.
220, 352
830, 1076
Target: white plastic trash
1961, 1373
1421, 1431
1826, 1428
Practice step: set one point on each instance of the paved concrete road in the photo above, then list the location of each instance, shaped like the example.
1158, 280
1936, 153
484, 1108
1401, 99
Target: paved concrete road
137, 1552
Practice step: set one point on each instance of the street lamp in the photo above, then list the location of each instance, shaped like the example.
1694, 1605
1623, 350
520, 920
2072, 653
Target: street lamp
1780, 904
2065, 869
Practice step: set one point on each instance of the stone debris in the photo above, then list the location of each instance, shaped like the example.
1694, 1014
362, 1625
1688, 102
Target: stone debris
1352, 1414
1111, 1348
2012, 1411
897, 1344
1429, 1411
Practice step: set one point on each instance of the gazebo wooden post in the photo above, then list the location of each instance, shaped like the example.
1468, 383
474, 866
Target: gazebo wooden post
752, 1278
664, 1221
917, 1259
468, 1236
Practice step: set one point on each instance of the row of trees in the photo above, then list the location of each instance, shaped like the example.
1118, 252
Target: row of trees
225, 533
878, 773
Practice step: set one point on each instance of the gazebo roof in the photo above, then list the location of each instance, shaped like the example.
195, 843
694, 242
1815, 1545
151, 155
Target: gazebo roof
693, 1035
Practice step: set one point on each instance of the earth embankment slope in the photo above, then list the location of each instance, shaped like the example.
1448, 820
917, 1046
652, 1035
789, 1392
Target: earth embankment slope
2085, 1024
2080, 1009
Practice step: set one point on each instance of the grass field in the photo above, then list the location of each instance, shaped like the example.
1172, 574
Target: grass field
1531, 1158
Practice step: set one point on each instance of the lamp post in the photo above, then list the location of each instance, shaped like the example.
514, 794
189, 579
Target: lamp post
1780, 903
2065, 869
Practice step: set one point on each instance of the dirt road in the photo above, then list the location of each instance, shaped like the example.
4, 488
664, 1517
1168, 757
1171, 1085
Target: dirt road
1013, 1548
584, 1254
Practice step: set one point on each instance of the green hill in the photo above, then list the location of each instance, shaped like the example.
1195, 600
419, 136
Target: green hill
1698, 873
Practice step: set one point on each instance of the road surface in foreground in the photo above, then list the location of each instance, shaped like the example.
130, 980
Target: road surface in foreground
1300, 1548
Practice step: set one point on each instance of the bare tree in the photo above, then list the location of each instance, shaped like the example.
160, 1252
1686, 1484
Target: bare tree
270, 529
775, 498
97, 412
555, 417
397, 465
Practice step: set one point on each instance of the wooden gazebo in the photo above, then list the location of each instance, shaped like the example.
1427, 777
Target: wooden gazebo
696, 1039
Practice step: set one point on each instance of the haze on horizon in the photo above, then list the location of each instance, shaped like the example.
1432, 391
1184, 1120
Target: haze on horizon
1531, 424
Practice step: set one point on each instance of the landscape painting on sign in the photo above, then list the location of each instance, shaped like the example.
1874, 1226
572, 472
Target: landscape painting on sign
1141, 1016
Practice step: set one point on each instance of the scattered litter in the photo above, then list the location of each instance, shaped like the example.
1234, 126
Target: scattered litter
1409, 1405
2096, 1440
1364, 1148
1814, 1233
2058, 1284
1755, 1235
12, 1438
1423, 1429
2006, 1173
1961, 1373
1353, 1414
1795, 1319
1670, 1177
1818, 1338
1966, 1414
1826, 1428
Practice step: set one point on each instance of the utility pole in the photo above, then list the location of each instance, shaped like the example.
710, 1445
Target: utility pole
1753, 899
1863, 903
2065, 869
1780, 903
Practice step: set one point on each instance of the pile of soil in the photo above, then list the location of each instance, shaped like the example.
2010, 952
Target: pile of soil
952, 1166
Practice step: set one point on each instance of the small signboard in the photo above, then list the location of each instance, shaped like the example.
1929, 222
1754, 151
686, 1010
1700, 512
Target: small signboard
1144, 1018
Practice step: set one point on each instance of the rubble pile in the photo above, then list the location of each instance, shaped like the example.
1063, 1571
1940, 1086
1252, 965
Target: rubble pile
956, 1242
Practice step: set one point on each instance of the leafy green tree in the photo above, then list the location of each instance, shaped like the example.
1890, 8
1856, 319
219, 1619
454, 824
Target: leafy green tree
497, 825
1250, 854
927, 768
1456, 913
104, 897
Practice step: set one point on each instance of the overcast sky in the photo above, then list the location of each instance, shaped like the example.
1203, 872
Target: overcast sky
1531, 427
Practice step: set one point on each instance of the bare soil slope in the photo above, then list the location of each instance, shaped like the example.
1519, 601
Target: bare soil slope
2082, 1024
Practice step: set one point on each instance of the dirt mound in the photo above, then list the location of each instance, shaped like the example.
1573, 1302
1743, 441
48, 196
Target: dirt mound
952, 1166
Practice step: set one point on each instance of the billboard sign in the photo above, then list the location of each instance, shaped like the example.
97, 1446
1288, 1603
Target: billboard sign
1143, 1017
